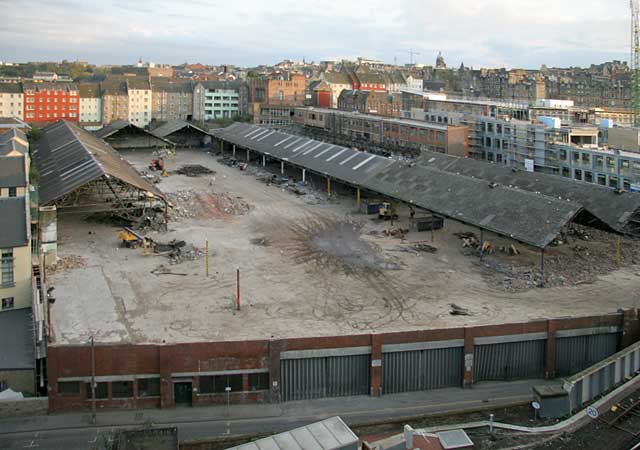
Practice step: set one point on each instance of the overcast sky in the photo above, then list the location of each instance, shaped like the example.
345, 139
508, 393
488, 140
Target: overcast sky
482, 33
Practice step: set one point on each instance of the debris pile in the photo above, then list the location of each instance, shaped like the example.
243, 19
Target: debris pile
261, 241
194, 170
177, 251
189, 204
66, 263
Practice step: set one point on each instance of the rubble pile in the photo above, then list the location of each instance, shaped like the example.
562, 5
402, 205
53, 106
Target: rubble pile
194, 170
578, 256
181, 201
66, 263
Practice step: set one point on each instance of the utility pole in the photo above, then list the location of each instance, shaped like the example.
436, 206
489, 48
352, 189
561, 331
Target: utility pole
93, 382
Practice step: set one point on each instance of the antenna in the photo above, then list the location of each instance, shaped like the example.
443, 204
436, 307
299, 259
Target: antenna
412, 54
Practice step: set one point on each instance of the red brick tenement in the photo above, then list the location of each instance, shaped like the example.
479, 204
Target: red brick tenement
49, 102
141, 376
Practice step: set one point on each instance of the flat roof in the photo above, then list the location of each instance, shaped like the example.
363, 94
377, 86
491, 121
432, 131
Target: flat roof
358, 115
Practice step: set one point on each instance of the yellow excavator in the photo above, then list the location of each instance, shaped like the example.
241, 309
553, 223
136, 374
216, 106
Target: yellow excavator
388, 211
131, 239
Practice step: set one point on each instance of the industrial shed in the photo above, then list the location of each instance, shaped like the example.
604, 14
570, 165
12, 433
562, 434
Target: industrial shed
123, 135
534, 218
183, 134
82, 173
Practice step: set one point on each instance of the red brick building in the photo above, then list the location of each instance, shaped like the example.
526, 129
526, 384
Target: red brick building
279, 88
50, 102
273, 370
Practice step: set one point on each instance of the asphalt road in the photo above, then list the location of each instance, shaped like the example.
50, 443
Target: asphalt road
87, 438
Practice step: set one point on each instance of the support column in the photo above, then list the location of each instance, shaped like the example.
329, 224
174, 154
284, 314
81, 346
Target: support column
550, 353
166, 382
358, 198
328, 186
281, 167
304, 175
376, 366
630, 327
468, 358
234, 150
222, 147
275, 348
248, 155
542, 267
264, 160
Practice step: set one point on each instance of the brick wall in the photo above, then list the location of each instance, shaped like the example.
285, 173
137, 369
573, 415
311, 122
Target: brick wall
190, 360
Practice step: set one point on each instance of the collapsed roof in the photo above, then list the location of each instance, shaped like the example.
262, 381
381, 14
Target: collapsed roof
68, 157
533, 212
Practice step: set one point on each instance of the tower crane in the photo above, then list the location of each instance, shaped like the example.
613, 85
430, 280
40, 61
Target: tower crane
635, 61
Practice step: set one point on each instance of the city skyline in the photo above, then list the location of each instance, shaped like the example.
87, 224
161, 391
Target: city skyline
526, 36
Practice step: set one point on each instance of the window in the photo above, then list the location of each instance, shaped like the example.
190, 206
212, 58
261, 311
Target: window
7, 267
602, 180
149, 387
102, 390
122, 389
69, 388
259, 381
13, 192
7, 303
217, 384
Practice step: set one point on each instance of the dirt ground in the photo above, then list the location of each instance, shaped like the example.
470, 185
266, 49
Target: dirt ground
309, 267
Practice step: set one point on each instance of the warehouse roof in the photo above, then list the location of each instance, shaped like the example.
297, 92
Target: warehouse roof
612, 208
68, 157
13, 223
175, 125
16, 327
330, 434
525, 216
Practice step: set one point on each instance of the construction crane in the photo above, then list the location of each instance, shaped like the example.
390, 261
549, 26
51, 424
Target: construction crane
412, 54
635, 61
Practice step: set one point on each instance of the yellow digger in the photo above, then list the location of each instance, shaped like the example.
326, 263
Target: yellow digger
131, 239
388, 211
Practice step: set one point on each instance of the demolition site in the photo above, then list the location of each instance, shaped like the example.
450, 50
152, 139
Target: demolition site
227, 267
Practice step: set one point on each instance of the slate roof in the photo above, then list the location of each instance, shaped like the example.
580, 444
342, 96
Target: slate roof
336, 78
11, 88
524, 215
12, 172
16, 327
175, 125
604, 203
112, 128
13, 223
330, 434
68, 157
89, 90
13, 140
167, 85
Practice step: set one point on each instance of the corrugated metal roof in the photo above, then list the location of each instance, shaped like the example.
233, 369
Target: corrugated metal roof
175, 125
528, 217
68, 157
16, 328
329, 434
119, 125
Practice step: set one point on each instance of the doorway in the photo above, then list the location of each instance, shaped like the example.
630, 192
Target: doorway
182, 392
